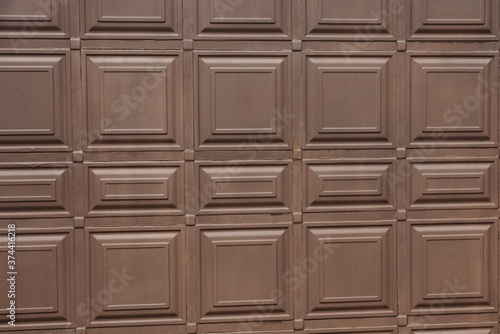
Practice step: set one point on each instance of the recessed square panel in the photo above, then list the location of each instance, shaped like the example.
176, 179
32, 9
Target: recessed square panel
255, 259
356, 271
244, 19
36, 192
133, 102
360, 20
36, 103
136, 278
139, 121
134, 190
243, 102
33, 19
342, 186
453, 101
234, 89
349, 102
452, 184
442, 91
227, 293
125, 20
242, 187
37, 110
452, 19
342, 118
44, 279
453, 267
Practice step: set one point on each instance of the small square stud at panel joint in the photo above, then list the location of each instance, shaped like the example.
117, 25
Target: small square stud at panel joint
401, 153
190, 220
401, 215
297, 217
298, 324
75, 43
80, 331
297, 45
402, 320
402, 46
188, 45
189, 155
191, 329
77, 156
79, 222
297, 154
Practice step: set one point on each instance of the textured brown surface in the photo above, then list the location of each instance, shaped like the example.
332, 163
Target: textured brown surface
268, 166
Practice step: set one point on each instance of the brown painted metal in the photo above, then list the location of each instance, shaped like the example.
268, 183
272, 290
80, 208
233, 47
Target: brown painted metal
274, 166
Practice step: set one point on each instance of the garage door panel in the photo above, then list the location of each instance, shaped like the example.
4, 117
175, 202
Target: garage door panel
243, 101
136, 275
43, 284
453, 267
271, 327
242, 187
452, 20
34, 19
452, 184
355, 330
260, 258
350, 101
134, 189
477, 330
467, 328
251, 166
35, 96
352, 325
125, 20
36, 192
453, 100
349, 186
356, 270
134, 101
245, 19
350, 20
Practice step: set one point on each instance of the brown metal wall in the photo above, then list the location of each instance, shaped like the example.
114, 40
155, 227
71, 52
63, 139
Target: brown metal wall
316, 166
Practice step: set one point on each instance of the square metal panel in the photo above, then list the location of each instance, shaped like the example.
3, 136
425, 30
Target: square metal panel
352, 270
242, 101
134, 101
257, 258
452, 267
349, 101
135, 275
35, 95
453, 100
44, 279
